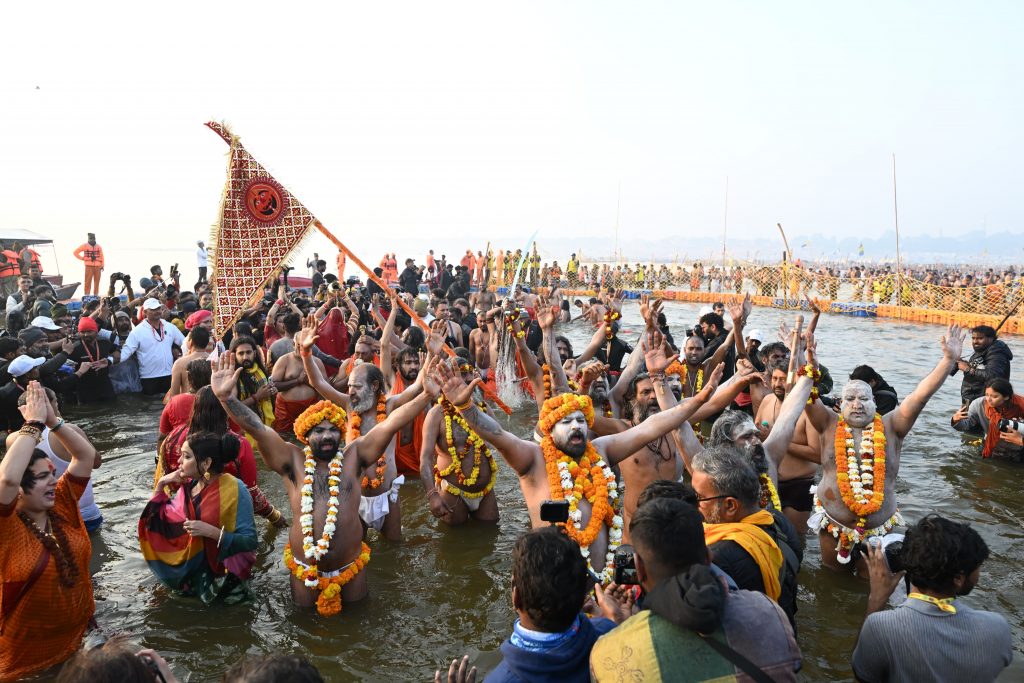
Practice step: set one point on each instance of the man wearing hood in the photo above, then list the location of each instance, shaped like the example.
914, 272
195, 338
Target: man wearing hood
551, 639
885, 396
692, 627
990, 360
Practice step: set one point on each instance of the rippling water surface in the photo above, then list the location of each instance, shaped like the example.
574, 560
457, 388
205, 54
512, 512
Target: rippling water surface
443, 592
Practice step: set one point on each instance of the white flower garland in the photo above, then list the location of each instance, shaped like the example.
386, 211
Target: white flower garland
861, 470
314, 552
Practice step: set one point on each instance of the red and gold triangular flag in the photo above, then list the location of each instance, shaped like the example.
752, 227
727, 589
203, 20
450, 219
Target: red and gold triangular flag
260, 224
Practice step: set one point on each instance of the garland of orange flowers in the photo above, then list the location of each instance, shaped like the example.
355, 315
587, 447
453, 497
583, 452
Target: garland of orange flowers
590, 478
547, 380
315, 414
474, 443
769, 494
861, 482
328, 603
610, 316
355, 424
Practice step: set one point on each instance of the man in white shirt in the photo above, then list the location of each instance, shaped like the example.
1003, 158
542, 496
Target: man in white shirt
16, 301
201, 260
153, 340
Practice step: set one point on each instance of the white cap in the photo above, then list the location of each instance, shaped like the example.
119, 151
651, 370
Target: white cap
41, 321
23, 365
705, 310
151, 304
755, 334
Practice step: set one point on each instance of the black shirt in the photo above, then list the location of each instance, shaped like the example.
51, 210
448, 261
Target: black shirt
94, 385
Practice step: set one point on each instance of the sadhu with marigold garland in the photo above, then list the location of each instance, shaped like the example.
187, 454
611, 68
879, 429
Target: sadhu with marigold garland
860, 459
566, 464
457, 466
325, 553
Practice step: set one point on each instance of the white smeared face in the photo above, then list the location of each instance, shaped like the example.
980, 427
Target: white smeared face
570, 434
858, 404
745, 435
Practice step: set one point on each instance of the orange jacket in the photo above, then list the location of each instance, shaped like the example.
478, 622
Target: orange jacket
92, 254
9, 268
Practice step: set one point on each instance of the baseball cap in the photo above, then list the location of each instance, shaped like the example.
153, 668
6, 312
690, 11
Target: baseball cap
122, 314
151, 304
197, 318
755, 335
43, 322
23, 365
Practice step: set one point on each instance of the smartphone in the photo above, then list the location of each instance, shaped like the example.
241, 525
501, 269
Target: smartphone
554, 511
625, 566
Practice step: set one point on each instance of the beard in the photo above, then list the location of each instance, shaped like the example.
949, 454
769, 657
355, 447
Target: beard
714, 515
758, 458
410, 374
574, 445
324, 450
248, 363
362, 402
642, 411
780, 394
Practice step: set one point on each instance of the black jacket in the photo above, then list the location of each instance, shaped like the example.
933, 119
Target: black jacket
989, 364
410, 280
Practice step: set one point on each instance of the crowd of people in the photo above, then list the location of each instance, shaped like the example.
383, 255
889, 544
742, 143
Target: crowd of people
671, 485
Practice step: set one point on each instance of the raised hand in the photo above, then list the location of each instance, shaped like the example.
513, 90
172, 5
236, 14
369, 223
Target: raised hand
746, 372
953, 342
592, 371
307, 336
428, 378
224, 379
655, 355
36, 406
712, 384
450, 383
435, 340
736, 312
546, 315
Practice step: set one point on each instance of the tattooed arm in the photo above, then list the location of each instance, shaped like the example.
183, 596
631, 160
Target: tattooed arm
277, 453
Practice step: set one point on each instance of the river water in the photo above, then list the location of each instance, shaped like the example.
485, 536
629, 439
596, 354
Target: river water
443, 592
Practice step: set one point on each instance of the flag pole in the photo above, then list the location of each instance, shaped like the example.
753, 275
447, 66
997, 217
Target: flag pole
899, 262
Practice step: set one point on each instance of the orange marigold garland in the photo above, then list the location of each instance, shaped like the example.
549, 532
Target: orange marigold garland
510, 318
328, 603
769, 494
355, 424
861, 481
315, 414
590, 478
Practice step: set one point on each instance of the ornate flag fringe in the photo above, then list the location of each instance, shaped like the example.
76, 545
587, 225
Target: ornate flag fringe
260, 225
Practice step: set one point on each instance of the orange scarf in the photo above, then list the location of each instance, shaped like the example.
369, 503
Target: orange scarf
756, 542
1012, 409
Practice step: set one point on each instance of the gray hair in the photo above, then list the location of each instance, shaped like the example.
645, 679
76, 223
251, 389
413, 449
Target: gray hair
722, 429
730, 472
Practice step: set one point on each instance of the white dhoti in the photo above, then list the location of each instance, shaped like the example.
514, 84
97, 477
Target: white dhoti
373, 509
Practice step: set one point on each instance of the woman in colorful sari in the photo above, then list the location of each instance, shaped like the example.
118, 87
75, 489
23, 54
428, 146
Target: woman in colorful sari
208, 416
202, 541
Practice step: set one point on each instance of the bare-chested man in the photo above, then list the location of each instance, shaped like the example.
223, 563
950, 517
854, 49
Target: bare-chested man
564, 424
199, 338
294, 392
458, 476
368, 405
800, 463
345, 547
847, 506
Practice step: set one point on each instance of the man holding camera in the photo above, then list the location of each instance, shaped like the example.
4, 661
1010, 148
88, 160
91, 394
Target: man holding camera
932, 636
92, 255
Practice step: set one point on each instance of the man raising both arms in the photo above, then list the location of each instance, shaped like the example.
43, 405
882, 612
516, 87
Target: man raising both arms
566, 463
325, 552
860, 458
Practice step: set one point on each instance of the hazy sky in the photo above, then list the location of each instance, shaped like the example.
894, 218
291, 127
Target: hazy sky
407, 125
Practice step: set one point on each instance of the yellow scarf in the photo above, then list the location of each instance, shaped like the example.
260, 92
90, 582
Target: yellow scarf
265, 407
756, 542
